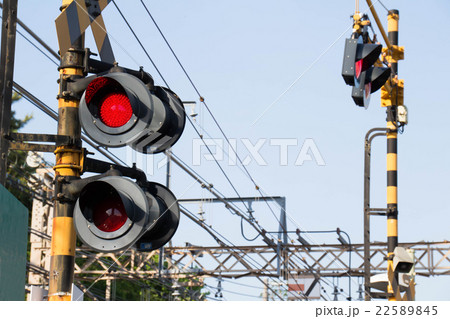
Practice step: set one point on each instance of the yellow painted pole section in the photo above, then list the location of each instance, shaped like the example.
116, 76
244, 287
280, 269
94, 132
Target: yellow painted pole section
392, 226
63, 237
391, 161
392, 199
393, 22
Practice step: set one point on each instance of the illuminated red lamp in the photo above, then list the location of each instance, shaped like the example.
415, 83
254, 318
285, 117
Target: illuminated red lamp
115, 109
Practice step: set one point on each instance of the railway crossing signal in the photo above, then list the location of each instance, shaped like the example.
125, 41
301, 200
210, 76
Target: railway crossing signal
358, 69
113, 213
118, 109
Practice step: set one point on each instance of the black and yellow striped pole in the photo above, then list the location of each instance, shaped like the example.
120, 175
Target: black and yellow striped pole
392, 189
67, 168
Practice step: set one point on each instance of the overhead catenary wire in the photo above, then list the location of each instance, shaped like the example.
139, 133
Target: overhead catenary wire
37, 48
387, 10
240, 284
198, 133
140, 43
35, 36
236, 293
210, 112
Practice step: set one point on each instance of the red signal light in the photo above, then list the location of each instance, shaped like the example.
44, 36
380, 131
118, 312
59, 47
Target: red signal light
109, 101
119, 109
109, 215
358, 68
115, 109
113, 212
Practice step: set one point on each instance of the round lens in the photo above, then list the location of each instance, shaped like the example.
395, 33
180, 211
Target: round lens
109, 215
115, 109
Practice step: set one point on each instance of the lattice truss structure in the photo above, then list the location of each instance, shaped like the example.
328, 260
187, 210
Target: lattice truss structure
195, 262
432, 259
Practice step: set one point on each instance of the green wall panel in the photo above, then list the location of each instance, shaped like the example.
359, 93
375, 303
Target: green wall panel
13, 246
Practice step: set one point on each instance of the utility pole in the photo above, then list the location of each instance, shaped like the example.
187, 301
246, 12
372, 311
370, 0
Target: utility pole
392, 189
67, 168
8, 47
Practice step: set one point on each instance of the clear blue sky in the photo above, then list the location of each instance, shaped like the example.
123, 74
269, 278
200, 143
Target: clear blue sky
242, 56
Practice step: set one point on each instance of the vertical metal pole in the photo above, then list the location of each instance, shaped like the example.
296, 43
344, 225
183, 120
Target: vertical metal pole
392, 204
367, 154
8, 47
168, 176
67, 168
282, 240
367, 210
283, 231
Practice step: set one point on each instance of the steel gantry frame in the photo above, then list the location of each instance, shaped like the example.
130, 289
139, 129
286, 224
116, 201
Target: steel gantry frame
197, 262
432, 259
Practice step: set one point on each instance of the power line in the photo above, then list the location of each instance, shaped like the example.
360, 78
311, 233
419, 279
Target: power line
208, 109
383, 5
37, 48
198, 133
140, 43
237, 293
37, 38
